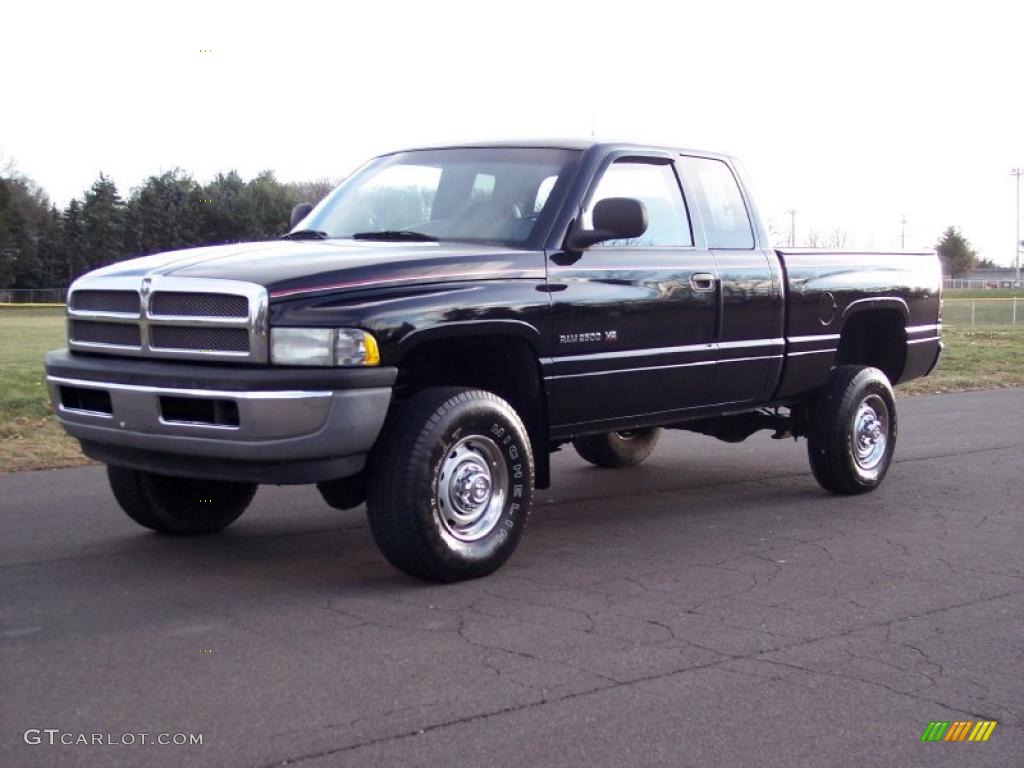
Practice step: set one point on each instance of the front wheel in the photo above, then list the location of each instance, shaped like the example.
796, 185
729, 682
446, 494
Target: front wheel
450, 486
182, 506
851, 440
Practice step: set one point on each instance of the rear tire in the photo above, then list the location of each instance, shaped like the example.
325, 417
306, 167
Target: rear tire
450, 484
182, 506
852, 436
617, 449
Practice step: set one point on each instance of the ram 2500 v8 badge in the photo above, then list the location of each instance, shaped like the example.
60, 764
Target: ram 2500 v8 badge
427, 335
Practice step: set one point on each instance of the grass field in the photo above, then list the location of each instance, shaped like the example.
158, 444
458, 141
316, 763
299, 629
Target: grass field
991, 293
985, 357
980, 358
29, 435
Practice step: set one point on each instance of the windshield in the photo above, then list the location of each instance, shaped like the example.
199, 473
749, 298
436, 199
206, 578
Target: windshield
493, 195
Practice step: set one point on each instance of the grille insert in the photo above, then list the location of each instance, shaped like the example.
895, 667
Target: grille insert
162, 316
117, 334
199, 339
181, 304
106, 301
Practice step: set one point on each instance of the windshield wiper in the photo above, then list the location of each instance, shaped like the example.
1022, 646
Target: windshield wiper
305, 234
395, 234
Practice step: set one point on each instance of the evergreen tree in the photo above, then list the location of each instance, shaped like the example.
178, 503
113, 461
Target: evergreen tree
24, 208
271, 204
73, 239
52, 262
103, 224
165, 213
226, 213
955, 252
11, 233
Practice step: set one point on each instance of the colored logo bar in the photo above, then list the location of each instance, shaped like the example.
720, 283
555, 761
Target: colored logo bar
958, 730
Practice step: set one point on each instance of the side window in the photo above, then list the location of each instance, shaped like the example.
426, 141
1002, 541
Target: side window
726, 222
656, 186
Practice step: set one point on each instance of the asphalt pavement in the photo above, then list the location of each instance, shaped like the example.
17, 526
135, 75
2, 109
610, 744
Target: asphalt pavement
712, 607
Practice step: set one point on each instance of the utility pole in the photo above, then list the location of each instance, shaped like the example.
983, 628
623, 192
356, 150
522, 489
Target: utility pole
792, 227
903, 232
1016, 251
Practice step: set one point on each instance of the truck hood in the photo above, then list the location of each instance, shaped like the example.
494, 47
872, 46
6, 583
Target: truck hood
288, 268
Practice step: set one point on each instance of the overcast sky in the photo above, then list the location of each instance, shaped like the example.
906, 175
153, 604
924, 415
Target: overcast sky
854, 114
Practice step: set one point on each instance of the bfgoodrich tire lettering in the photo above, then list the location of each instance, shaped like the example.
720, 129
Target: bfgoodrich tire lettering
178, 505
451, 483
852, 438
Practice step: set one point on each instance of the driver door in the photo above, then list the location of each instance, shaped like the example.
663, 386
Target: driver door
633, 322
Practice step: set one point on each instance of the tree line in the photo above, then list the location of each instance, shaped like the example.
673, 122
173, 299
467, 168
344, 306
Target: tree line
43, 246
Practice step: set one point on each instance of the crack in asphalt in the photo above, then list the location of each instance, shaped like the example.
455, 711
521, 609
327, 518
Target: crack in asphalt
578, 629
725, 658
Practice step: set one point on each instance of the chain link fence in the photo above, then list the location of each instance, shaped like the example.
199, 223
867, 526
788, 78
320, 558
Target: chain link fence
32, 296
974, 312
979, 283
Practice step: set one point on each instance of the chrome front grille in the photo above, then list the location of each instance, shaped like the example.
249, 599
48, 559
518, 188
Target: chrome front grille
178, 304
114, 334
161, 316
189, 338
106, 301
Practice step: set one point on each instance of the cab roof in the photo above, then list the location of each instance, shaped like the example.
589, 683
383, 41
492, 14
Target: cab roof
564, 143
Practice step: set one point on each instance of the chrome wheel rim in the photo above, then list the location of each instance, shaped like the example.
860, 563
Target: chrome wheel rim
471, 488
870, 433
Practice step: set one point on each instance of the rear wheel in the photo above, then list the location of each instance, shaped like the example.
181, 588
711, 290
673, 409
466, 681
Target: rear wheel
851, 440
618, 449
178, 505
450, 484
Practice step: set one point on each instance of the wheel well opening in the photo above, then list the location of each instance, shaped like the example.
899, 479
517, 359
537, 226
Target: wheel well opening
503, 364
876, 338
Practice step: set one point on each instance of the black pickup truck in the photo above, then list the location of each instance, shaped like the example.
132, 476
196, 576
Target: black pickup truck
429, 333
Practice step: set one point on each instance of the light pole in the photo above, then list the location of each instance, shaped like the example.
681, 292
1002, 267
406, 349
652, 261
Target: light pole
1016, 251
792, 227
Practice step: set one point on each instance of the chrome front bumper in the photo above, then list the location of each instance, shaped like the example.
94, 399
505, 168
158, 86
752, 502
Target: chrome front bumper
227, 433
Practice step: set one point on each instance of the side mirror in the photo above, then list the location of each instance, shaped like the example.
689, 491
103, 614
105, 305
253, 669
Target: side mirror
299, 212
615, 218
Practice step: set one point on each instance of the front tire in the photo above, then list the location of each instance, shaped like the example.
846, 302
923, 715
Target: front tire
852, 438
181, 506
617, 449
450, 485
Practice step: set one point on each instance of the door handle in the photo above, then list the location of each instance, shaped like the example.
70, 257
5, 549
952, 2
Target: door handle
702, 281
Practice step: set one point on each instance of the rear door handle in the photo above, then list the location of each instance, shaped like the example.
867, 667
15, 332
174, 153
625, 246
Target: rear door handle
702, 281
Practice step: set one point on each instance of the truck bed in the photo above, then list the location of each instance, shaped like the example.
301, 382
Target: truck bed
826, 289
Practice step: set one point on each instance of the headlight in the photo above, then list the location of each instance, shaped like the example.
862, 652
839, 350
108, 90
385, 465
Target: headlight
323, 346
